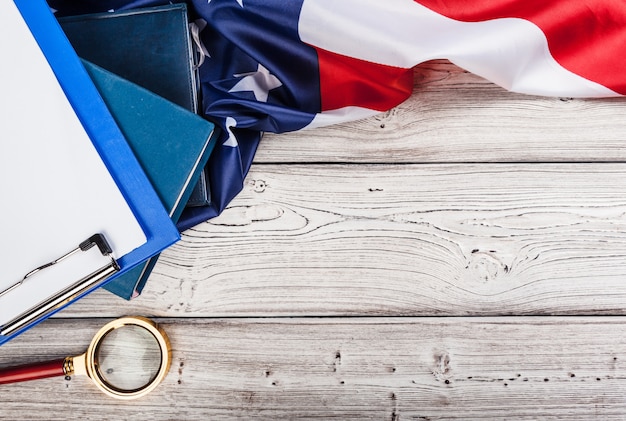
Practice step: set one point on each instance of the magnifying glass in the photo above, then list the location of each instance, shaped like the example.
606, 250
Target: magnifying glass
126, 359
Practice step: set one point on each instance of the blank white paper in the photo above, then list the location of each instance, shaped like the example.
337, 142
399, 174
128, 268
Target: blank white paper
56, 191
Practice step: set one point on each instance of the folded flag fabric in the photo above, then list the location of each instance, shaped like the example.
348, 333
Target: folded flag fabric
276, 65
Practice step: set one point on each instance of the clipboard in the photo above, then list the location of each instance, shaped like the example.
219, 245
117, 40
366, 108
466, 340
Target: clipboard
101, 215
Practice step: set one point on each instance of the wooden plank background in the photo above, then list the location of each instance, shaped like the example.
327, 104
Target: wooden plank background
459, 257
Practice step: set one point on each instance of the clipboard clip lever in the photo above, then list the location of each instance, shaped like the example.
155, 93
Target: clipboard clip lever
71, 292
95, 240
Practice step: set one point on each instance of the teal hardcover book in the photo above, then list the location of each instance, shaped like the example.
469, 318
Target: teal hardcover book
171, 143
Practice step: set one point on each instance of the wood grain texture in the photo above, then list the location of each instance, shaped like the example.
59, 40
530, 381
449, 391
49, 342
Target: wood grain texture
401, 240
394, 229
455, 116
349, 369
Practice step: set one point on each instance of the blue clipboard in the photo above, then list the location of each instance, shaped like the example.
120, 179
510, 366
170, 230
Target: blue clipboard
113, 150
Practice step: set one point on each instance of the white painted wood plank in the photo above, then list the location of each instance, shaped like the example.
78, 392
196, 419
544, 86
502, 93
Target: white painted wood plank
454, 116
349, 369
401, 240
381, 240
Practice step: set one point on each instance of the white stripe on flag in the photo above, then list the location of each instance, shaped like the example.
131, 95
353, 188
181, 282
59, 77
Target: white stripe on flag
510, 52
340, 115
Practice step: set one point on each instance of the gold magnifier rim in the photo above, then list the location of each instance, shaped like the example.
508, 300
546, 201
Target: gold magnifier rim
164, 346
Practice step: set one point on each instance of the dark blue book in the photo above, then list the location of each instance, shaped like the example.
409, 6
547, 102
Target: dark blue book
150, 47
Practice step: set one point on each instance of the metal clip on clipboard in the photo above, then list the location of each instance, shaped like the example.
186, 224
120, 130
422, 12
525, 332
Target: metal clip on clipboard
68, 294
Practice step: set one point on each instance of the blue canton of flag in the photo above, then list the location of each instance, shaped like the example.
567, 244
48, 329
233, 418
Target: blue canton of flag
258, 72
245, 97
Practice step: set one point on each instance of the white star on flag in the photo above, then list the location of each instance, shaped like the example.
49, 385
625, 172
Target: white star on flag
232, 139
260, 83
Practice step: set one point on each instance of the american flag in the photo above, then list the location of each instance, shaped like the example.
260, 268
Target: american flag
284, 65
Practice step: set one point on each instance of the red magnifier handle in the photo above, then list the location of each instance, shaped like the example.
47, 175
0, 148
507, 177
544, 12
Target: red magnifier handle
32, 371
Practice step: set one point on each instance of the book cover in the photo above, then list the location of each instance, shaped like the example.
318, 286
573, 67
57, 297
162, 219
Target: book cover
150, 47
171, 143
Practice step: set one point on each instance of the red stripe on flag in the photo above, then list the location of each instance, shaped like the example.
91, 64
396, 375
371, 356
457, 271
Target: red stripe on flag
346, 81
587, 37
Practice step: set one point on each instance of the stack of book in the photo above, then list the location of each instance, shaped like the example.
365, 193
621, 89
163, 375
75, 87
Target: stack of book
143, 63
118, 152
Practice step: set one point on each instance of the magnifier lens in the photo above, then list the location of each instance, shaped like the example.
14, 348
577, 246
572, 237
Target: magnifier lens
128, 358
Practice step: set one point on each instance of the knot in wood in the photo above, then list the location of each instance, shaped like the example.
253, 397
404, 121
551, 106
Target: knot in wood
259, 186
486, 266
441, 369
